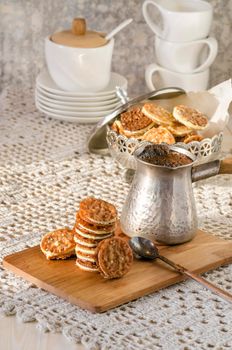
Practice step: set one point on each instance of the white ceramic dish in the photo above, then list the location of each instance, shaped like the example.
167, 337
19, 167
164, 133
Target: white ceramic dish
81, 103
68, 118
45, 81
73, 114
77, 109
188, 57
164, 77
179, 20
56, 97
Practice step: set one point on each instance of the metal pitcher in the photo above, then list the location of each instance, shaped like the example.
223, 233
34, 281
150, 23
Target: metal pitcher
160, 204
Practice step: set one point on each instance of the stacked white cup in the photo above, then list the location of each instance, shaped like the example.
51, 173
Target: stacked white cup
184, 51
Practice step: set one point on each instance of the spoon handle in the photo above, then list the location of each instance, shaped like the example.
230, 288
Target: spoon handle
223, 294
118, 28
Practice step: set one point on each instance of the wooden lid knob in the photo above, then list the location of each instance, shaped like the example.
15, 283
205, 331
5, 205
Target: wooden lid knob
78, 26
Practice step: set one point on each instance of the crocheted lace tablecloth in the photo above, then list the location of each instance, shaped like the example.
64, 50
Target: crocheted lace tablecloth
44, 173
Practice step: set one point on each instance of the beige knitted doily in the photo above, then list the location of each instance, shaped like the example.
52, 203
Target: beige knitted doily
44, 173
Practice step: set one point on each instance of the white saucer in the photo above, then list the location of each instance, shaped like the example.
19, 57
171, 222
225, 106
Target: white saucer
82, 112
107, 108
68, 118
81, 103
45, 82
76, 99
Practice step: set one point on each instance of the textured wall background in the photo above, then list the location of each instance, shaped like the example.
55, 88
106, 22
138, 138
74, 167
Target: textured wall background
24, 24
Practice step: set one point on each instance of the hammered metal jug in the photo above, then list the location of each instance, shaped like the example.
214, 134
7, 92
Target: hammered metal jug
160, 204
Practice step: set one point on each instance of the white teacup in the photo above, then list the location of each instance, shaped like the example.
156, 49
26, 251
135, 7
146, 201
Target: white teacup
79, 69
182, 20
190, 57
158, 77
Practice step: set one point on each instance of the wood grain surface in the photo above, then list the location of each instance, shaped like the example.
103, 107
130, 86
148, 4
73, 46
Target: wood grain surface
16, 335
226, 166
91, 291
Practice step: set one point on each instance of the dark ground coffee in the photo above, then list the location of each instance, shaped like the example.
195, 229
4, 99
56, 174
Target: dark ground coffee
162, 155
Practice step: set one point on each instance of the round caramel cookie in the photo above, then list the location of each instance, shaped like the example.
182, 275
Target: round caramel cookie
86, 250
87, 242
97, 211
159, 135
93, 228
157, 114
182, 138
178, 129
114, 127
191, 138
190, 117
58, 244
86, 234
114, 257
86, 265
134, 119
85, 257
133, 134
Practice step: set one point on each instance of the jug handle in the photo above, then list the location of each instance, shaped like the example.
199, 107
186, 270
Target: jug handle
216, 167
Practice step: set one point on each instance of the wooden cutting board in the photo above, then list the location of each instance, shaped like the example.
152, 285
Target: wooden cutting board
91, 291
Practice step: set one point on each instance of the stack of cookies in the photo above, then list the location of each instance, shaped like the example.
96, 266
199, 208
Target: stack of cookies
93, 241
95, 221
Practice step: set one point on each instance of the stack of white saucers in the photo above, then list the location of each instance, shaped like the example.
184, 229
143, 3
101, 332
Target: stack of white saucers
78, 107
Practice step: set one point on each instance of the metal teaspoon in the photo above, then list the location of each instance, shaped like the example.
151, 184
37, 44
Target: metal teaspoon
146, 249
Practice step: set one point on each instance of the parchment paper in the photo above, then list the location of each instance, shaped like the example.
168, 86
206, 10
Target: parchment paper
213, 103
